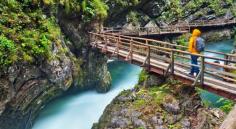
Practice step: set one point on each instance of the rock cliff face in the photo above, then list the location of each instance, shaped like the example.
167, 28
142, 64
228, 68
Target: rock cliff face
94, 65
156, 13
166, 105
26, 87
163, 12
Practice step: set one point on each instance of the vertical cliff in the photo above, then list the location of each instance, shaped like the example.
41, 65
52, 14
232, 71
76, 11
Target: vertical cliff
44, 52
163, 12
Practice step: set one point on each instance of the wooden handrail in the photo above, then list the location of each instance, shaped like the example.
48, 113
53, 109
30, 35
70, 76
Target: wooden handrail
144, 48
196, 22
173, 45
180, 25
178, 51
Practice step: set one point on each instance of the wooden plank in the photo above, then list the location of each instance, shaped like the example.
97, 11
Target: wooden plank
160, 65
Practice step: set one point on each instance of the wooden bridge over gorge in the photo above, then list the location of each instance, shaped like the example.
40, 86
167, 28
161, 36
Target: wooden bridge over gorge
170, 59
179, 28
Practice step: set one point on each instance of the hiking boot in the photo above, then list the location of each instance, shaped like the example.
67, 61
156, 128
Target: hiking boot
191, 74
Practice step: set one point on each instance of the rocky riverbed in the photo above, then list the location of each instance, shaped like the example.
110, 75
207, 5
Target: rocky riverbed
159, 105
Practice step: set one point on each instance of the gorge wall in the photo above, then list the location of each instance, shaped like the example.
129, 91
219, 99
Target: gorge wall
158, 103
44, 48
163, 12
43, 66
156, 13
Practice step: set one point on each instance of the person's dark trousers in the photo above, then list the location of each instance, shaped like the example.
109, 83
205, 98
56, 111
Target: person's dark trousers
194, 69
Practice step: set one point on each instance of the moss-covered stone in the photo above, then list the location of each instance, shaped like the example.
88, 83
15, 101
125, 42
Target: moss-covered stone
171, 105
40, 59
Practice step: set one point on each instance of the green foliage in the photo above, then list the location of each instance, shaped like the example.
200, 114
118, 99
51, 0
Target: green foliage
124, 3
140, 128
175, 9
100, 8
139, 103
26, 33
143, 76
133, 18
175, 126
159, 93
227, 105
7, 51
183, 39
87, 9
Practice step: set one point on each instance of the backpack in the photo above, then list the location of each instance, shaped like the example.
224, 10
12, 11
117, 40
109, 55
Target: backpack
200, 44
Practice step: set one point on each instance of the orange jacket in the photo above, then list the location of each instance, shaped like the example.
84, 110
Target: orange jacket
192, 41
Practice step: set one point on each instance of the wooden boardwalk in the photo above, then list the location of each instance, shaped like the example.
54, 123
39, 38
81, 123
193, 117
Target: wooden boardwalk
179, 28
169, 59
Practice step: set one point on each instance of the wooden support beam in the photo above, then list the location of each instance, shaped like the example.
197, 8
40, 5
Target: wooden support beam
130, 54
202, 71
167, 70
226, 58
172, 62
140, 52
104, 49
149, 58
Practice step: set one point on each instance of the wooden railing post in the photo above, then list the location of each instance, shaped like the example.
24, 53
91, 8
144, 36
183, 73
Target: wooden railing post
104, 49
226, 58
112, 30
202, 70
149, 58
131, 50
172, 70
117, 46
95, 41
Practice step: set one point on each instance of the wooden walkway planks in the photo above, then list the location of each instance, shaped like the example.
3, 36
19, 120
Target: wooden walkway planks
214, 83
179, 28
131, 50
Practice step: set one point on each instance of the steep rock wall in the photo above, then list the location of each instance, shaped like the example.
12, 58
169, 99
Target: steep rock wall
27, 87
163, 12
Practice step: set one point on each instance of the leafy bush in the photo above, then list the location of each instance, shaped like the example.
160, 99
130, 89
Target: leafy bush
87, 9
133, 18
143, 76
7, 51
227, 105
26, 33
124, 3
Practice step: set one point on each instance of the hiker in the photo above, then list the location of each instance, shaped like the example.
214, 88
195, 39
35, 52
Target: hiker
196, 46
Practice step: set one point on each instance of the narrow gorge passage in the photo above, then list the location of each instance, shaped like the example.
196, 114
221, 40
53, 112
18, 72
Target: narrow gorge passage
80, 111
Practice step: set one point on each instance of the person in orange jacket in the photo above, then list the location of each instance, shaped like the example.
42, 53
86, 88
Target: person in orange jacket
192, 48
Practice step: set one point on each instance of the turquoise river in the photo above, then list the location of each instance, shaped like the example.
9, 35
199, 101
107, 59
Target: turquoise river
81, 110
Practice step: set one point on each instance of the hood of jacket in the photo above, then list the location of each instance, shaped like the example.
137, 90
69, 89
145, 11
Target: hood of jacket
196, 33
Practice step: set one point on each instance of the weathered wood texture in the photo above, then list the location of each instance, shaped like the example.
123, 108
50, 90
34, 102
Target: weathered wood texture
170, 59
179, 28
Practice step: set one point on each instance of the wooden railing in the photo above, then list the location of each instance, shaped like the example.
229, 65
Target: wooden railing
212, 22
181, 27
170, 57
147, 30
